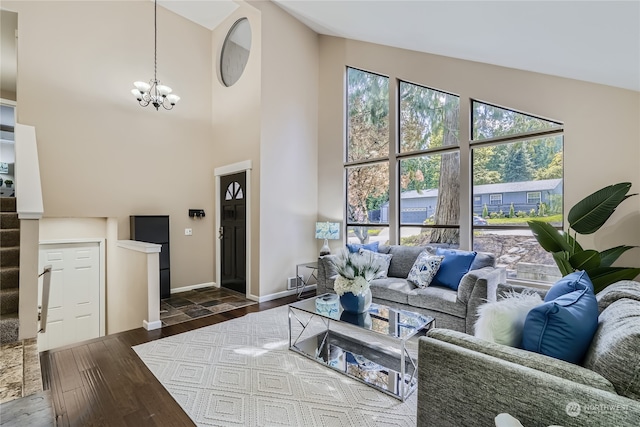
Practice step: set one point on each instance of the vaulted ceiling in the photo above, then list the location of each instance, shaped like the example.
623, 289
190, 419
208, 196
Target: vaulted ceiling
595, 41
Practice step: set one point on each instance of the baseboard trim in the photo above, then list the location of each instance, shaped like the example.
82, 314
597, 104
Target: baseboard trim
150, 326
192, 287
279, 294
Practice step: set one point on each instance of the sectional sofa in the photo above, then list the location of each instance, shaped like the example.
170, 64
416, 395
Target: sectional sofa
452, 309
464, 380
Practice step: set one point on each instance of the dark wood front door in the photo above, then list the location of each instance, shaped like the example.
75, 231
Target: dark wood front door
232, 232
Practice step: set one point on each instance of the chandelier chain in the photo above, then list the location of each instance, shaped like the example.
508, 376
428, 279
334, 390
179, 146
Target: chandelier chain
155, 40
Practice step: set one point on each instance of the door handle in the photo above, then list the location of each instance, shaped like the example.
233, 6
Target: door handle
220, 233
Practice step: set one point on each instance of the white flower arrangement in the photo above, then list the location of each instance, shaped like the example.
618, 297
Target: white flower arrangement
355, 271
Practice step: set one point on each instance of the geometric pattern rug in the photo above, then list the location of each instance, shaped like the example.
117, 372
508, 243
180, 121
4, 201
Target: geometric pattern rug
241, 373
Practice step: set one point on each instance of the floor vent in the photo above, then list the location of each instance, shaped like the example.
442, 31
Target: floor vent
291, 282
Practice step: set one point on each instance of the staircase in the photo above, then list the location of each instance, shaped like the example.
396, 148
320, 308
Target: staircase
9, 269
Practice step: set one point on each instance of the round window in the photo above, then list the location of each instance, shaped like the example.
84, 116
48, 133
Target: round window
235, 52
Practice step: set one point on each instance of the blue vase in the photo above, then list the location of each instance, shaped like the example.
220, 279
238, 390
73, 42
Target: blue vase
352, 303
358, 319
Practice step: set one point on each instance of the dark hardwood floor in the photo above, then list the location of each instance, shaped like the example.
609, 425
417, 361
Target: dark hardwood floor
102, 382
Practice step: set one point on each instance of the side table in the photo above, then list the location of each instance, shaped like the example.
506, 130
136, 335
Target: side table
301, 283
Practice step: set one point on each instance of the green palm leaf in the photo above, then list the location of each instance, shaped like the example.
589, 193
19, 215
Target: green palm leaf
562, 261
604, 276
585, 260
549, 238
588, 215
608, 257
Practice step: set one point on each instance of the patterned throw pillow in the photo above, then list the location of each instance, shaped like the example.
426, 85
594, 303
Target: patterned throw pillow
424, 269
384, 259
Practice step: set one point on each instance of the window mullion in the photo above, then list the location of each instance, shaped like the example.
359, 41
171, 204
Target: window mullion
466, 203
394, 166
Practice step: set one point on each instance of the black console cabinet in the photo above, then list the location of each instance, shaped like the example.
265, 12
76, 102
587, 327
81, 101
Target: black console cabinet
155, 229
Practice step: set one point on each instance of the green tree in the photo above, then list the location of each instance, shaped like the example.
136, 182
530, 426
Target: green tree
552, 170
518, 165
368, 138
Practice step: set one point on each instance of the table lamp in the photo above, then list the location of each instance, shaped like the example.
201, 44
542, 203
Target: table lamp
326, 231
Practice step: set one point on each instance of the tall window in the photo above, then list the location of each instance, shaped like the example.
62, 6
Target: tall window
517, 161
516, 172
429, 157
367, 156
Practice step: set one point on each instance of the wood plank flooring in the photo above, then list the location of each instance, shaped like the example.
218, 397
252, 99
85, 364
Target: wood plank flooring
102, 382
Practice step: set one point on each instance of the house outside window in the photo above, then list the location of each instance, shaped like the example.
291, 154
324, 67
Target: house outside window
534, 198
520, 156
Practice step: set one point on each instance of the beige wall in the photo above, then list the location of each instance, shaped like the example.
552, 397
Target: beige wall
602, 134
270, 117
288, 148
101, 154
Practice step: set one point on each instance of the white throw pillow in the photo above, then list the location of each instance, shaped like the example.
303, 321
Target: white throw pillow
424, 269
502, 321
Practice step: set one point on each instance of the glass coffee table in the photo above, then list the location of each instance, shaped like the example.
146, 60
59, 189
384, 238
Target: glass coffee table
369, 347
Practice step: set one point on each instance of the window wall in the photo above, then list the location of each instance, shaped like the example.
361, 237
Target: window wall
403, 172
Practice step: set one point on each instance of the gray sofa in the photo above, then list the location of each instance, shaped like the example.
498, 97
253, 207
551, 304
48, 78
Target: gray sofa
451, 309
463, 380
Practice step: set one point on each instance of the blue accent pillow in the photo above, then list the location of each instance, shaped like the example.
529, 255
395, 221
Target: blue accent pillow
572, 282
355, 247
455, 264
564, 327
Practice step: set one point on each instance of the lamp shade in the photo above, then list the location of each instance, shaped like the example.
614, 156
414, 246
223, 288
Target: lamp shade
327, 230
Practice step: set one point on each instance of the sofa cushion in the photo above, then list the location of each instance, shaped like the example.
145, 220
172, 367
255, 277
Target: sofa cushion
439, 299
482, 260
455, 264
616, 345
355, 247
424, 269
564, 327
622, 289
403, 259
538, 362
391, 289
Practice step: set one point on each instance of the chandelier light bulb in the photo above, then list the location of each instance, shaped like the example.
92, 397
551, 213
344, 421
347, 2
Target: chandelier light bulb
173, 99
164, 90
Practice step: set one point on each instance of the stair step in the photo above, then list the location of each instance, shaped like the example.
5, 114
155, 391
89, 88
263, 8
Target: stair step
8, 204
9, 237
9, 220
9, 324
10, 257
9, 277
9, 301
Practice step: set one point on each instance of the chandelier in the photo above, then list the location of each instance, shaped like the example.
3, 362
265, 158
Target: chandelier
153, 92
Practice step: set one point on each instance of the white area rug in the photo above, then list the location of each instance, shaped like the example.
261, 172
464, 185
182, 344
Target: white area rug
241, 373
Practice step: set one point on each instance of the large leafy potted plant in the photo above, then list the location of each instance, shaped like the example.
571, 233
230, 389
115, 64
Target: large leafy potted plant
586, 217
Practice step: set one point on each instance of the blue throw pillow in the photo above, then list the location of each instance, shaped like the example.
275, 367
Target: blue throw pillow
455, 264
564, 327
355, 247
572, 282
